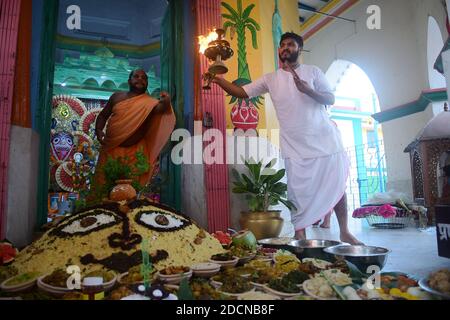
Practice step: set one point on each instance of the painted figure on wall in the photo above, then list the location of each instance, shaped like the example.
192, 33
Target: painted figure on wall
72, 146
244, 114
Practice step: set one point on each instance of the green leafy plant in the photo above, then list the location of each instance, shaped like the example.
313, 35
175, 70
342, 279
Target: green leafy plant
262, 186
121, 169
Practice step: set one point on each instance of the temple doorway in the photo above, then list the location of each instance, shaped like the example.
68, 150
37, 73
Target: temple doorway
91, 63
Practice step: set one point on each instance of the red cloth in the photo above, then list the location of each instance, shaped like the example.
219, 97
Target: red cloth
385, 211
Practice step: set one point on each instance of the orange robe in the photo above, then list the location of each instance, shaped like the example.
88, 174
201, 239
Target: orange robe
127, 117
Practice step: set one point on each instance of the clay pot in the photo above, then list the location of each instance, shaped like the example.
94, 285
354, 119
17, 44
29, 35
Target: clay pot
245, 117
123, 191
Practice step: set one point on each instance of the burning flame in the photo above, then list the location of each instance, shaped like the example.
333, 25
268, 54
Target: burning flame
204, 41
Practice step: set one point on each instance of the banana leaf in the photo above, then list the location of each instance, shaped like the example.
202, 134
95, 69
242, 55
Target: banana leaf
357, 276
185, 292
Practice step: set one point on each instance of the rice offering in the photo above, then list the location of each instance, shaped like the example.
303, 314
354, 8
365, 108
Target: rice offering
337, 277
110, 236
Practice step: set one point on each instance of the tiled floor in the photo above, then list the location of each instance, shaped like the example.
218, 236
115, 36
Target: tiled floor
413, 251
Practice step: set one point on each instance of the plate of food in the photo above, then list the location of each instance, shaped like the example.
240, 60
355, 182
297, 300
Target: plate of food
261, 278
21, 282
337, 277
318, 263
437, 284
256, 295
283, 288
400, 286
319, 288
285, 261
236, 287
203, 290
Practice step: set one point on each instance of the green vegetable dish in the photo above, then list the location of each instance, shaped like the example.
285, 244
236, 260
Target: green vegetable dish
22, 278
284, 285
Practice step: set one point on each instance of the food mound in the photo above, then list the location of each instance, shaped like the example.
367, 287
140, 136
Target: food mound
112, 235
440, 281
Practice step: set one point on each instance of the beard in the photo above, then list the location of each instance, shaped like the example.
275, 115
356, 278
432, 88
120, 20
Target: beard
292, 58
137, 89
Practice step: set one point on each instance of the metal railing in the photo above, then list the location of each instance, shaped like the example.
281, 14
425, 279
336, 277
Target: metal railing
368, 174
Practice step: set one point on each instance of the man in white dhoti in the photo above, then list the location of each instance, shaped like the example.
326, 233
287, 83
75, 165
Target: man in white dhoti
316, 163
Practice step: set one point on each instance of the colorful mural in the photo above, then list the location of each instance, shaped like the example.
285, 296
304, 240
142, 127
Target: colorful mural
72, 147
238, 21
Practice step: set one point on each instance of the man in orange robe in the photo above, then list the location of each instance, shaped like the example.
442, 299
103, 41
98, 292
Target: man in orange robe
136, 122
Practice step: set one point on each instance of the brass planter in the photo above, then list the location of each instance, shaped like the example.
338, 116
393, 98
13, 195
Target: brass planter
262, 224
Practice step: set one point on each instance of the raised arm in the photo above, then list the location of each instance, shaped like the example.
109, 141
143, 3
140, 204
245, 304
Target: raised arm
230, 88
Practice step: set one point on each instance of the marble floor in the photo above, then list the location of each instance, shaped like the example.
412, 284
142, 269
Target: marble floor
414, 251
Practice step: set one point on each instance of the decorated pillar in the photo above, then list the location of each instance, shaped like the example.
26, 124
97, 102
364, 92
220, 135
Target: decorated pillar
210, 103
9, 27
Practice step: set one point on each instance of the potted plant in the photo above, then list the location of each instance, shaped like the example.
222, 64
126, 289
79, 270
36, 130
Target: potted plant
263, 188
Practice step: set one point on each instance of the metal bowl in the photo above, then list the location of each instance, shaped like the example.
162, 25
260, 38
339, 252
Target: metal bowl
361, 256
312, 249
276, 243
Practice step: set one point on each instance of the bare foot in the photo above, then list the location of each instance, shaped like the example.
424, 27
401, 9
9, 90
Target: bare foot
349, 238
300, 234
325, 225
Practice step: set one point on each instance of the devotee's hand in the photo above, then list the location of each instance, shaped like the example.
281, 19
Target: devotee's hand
302, 85
100, 136
165, 99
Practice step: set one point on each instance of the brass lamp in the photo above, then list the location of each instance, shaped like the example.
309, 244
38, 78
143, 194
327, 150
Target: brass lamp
218, 50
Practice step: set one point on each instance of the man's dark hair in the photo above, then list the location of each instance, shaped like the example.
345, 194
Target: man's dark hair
133, 71
294, 36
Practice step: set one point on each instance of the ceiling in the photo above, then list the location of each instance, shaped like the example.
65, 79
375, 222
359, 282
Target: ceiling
306, 8
133, 22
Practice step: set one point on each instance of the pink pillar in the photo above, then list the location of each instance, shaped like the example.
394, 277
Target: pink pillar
9, 27
216, 175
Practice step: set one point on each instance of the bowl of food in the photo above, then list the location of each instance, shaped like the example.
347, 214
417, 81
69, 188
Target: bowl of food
55, 283
205, 269
109, 278
133, 276
174, 274
437, 284
224, 259
312, 248
20, 283
361, 256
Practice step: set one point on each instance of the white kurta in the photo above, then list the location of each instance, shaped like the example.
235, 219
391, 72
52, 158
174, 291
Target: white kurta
316, 163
